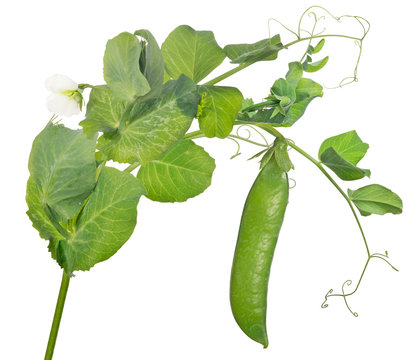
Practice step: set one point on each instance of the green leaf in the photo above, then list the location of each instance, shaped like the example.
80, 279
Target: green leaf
39, 218
348, 145
341, 167
105, 223
190, 52
62, 165
281, 155
319, 46
306, 91
294, 73
121, 68
218, 110
315, 66
376, 199
103, 112
154, 125
263, 50
183, 172
151, 60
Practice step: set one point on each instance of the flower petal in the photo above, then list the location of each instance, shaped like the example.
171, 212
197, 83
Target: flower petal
62, 105
58, 83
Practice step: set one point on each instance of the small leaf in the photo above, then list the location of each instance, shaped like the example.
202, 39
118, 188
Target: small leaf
319, 46
151, 60
39, 217
281, 155
376, 199
218, 110
306, 91
190, 52
263, 50
154, 125
294, 73
103, 112
341, 167
183, 172
315, 66
105, 223
121, 68
62, 165
348, 145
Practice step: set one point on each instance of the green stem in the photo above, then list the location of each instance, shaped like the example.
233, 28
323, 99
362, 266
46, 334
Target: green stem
329, 177
228, 73
57, 316
245, 65
131, 167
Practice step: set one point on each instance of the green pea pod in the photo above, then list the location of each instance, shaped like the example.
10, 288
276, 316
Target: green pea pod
260, 225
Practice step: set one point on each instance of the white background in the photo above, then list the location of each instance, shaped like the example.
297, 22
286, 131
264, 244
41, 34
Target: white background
164, 295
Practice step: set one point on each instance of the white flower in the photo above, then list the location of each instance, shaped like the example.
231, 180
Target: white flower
66, 98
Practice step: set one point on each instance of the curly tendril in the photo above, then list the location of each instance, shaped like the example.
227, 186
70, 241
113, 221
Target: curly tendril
348, 283
247, 137
313, 34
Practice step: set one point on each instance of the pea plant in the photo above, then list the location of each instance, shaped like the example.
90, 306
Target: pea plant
141, 117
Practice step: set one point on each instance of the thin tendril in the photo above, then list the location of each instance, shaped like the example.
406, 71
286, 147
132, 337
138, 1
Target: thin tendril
249, 134
312, 33
238, 147
294, 185
365, 25
279, 22
349, 283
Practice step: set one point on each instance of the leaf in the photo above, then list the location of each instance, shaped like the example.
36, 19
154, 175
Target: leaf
105, 223
376, 199
294, 73
315, 66
154, 125
348, 145
103, 112
282, 157
183, 172
341, 167
319, 46
121, 68
218, 110
190, 52
263, 50
62, 165
39, 217
151, 60
306, 91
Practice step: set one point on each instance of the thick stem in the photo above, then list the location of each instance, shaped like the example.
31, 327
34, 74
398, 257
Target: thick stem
57, 316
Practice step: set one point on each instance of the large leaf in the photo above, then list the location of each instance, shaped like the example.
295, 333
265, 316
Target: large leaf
121, 68
105, 223
154, 125
190, 52
151, 60
218, 109
184, 171
262, 50
103, 112
62, 165
376, 199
